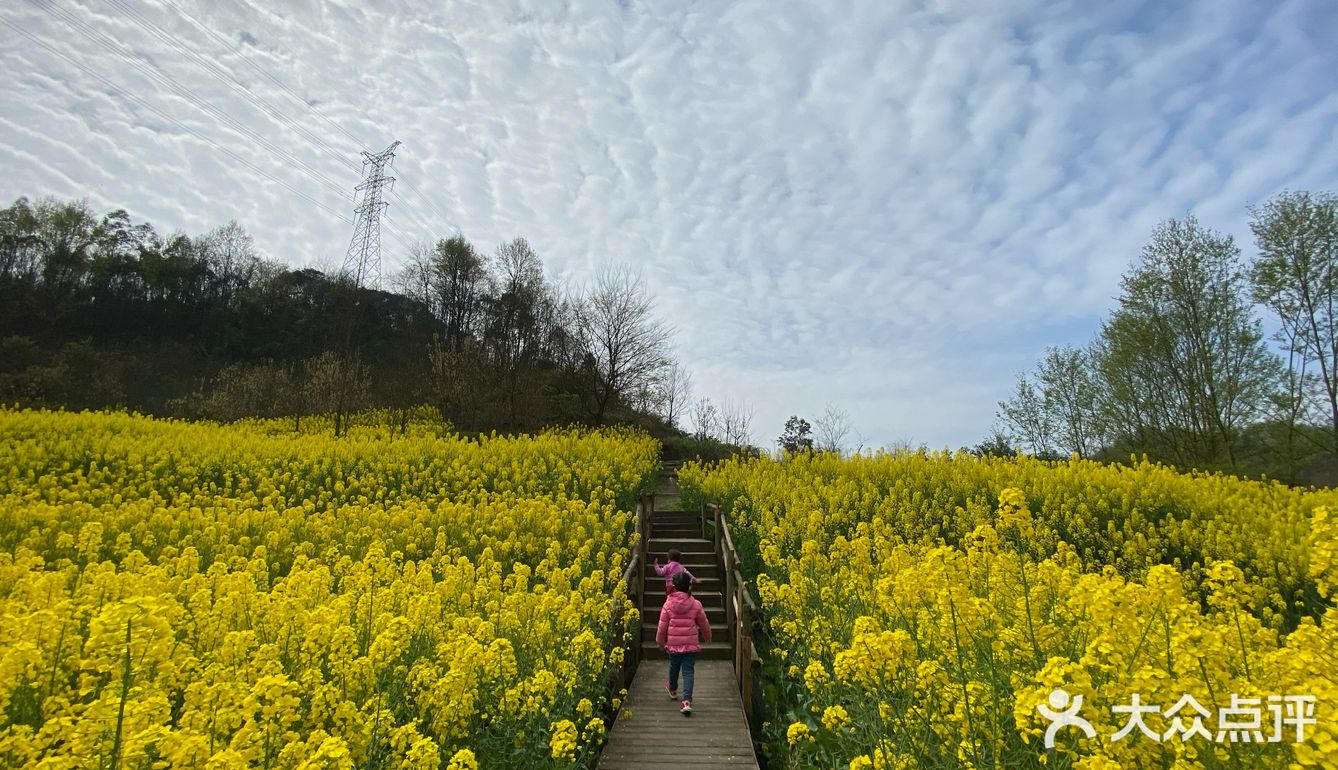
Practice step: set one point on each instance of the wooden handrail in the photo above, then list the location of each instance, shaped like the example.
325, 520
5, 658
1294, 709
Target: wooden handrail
741, 611
633, 589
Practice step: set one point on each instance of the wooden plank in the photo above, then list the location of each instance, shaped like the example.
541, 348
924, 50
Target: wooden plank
715, 736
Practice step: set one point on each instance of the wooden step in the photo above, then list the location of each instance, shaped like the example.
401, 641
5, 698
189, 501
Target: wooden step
675, 517
655, 598
676, 530
699, 567
689, 559
710, 651
659, 516
655, 582
684, 544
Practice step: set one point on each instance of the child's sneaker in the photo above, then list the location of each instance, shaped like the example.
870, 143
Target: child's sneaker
686, 710
673, 694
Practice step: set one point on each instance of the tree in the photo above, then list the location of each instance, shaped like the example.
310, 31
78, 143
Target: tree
705, 420
515, 329
831, 429
798, 436
460, 287
337, 385
1067, 377
736, 421
1182, 357
674, 392
230, 253
626, 342
1056, 410
1296, 276
995, 445
1024, 417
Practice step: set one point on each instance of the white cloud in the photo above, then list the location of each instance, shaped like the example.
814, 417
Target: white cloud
889, 206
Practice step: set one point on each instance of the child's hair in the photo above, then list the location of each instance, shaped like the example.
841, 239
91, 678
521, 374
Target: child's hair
682, 582
675, 554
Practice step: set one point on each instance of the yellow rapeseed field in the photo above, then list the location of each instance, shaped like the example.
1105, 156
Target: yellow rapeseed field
927, 610
178, 595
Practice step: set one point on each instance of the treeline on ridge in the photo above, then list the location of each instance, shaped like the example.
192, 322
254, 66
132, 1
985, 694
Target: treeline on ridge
100, 312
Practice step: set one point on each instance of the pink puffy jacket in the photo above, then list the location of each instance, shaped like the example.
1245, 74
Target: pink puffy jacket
668, 571
680, 619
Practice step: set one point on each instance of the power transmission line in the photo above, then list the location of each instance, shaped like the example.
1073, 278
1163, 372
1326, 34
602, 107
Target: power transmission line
168, 118
428, 202
414, 218
412, 189
224, 75
209, 30
155, 73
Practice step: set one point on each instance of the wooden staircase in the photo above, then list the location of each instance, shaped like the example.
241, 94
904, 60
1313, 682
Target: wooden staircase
719, 733
683, 530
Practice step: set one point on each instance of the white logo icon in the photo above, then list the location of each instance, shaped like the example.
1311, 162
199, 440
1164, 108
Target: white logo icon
1063, 712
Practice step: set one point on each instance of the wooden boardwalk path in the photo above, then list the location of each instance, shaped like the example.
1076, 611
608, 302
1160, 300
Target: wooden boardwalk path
656, 734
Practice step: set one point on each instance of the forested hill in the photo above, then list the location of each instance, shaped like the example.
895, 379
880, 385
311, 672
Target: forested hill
101, 311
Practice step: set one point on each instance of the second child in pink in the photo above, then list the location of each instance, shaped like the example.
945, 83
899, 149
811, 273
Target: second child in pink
672, 568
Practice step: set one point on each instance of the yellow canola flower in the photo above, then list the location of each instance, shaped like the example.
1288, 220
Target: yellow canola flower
798, 733
288, 600
835, 718
462, 760
936, 600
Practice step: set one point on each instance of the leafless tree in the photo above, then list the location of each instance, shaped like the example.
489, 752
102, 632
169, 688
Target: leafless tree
674, 392
831, 429
627, 344
705, 419
736, 421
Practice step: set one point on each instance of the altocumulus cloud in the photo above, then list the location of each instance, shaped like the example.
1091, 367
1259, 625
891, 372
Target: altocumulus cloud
890, 206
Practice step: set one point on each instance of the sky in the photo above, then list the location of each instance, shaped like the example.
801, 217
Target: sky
887, 207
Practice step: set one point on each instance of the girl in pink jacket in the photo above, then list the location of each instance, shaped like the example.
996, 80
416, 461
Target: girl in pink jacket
680, 619
674, 567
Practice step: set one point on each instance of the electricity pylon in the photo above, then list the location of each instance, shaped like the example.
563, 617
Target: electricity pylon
362, 264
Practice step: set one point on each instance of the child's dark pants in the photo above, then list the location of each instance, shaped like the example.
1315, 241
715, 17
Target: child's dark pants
686, 661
